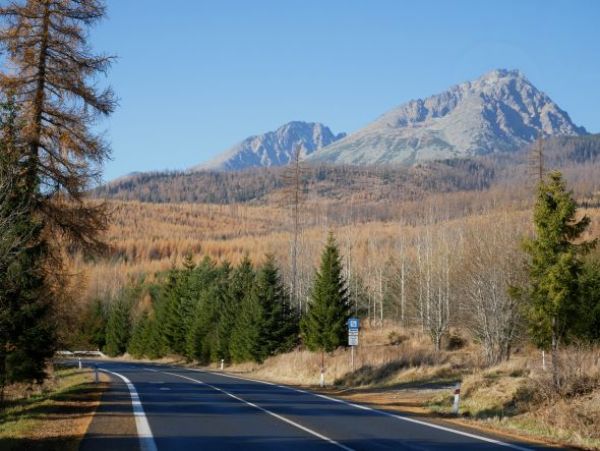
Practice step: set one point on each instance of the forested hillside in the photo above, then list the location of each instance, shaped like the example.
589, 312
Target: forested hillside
576, 156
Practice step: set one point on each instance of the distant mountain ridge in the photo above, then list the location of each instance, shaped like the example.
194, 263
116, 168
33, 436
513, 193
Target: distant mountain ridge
577, 156
499, 112
275, 148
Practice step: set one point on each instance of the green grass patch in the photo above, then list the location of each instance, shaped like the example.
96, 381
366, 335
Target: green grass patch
42, 420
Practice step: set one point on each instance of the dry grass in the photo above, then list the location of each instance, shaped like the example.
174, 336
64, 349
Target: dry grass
377, 362
519, 396
55, 417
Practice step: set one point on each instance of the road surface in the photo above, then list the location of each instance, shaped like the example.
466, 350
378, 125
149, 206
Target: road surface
155, 407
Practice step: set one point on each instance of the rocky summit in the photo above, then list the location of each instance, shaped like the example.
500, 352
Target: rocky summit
501, 111
275, 148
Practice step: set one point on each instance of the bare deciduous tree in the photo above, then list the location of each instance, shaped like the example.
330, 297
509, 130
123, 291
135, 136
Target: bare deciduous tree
490, 268
435, 293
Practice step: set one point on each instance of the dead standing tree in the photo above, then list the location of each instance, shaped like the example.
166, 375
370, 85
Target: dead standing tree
293, 178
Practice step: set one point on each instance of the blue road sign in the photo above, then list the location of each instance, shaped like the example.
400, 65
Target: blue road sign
353, 323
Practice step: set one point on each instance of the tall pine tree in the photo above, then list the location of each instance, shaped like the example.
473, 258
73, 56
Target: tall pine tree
240, 285
554, 307
324, 325
118, 328
27, 335
280, 320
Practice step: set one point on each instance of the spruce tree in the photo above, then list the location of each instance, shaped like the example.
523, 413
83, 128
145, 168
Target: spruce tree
139, 336
154, 345
554, 309
280, 321
27, 335
178, 309
590, 299
248, 337
240, 286
93, 326
201, 341
118, 328
324, 325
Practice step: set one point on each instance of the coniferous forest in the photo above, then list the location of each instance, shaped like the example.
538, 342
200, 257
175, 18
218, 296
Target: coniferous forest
208, 312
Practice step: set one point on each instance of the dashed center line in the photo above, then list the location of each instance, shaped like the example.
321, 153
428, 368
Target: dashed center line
273, 414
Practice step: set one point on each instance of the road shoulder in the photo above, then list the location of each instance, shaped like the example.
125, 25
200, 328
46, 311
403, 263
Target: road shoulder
56, 419
113, 425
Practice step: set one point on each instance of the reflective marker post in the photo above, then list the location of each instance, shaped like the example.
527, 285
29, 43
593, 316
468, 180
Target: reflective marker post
456, 404
95, 374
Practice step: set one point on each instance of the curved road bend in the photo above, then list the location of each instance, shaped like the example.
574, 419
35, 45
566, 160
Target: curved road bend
155, 407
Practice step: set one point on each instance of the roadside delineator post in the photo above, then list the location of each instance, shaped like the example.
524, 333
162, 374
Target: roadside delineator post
456, 404
79, 362
222, 364
95, 374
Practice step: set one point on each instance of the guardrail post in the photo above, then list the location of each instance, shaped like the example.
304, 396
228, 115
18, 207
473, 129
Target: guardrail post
456, 404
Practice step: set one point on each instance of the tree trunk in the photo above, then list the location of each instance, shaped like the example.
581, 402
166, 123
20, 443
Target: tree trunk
555, 357
38, 104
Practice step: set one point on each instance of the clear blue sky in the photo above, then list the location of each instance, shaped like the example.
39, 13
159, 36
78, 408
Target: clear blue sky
195, 77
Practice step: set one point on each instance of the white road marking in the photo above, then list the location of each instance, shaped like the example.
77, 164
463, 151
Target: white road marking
381, 412
164, 388
273, 414
144, 432
151, 369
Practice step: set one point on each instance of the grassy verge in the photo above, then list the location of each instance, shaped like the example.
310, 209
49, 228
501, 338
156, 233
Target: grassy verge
512, 399
56, 418
397, 369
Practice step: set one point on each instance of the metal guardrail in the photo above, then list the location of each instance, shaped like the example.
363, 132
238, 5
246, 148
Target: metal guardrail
66, 353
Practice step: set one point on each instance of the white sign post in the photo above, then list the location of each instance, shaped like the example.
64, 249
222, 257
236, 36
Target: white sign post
353, 326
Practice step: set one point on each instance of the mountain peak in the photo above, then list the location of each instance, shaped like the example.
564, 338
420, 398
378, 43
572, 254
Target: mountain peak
496, 74
499, 111
274, 148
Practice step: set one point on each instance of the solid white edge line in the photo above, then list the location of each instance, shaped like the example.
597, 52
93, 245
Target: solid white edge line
381, 412
144, 432
262, 409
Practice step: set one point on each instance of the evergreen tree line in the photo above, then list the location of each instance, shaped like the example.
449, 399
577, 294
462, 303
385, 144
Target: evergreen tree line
211, 312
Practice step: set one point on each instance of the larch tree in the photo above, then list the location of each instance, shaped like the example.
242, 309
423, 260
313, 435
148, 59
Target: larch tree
52, 74
555, 265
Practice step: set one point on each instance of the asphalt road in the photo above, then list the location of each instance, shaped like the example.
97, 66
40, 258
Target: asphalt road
155, 407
